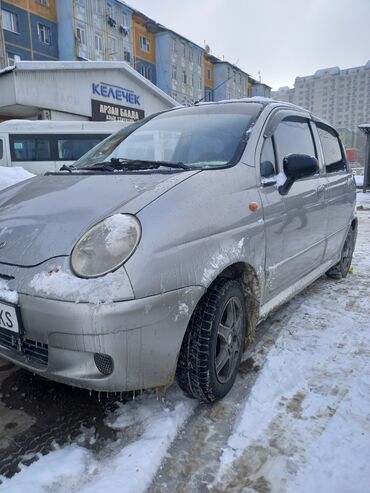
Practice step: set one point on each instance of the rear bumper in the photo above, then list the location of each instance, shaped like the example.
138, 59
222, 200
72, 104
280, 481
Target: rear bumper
143, 337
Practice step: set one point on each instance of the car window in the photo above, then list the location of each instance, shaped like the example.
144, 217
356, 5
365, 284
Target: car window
293, 136
333, 157
30, 148
72, 148
1, 149
268, 159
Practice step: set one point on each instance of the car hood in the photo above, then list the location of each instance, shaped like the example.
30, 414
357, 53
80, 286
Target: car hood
43, 217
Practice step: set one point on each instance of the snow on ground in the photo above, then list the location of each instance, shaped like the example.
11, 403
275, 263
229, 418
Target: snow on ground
11, 176
129, 466
306, 424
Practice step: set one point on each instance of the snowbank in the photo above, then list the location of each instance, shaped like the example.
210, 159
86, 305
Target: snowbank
11, 176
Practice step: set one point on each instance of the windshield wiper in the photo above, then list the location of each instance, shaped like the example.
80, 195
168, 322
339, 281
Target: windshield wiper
69, 168
123, 164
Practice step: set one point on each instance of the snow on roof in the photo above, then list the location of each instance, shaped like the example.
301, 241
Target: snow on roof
65, 126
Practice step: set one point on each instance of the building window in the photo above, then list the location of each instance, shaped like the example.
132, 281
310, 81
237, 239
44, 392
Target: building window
99, 6
184, 77
200, 58
13, 58
125, 20
81, 4
109, 10
200, 84
81, 35
10, 21
44, 34
146, 71
209, 75
192, 80
45, 3
183, 50
173, 44
98, 42
174, 72
191, 55
127, 56
144, 44
112, 45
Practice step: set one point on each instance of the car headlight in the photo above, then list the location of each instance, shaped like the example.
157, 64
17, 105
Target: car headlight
106, 246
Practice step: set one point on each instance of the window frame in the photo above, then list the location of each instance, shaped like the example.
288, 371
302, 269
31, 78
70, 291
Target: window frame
44, 31
14, 26
144, 44
98, 40
81, 39
344, 160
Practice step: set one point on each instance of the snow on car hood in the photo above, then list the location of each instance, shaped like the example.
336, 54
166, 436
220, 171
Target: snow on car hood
45, 216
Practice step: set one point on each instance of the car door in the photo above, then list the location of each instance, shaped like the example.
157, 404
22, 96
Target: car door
340, 188
295, 224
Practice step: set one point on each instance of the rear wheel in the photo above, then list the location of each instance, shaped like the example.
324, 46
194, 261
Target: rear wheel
213, 345
341, 269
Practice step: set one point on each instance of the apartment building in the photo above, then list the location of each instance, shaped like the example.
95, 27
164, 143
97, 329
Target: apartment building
342, 97
95, 30
28, 31
111, 30
144, 47
179, 66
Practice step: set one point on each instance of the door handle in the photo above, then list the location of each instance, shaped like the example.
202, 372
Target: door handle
320, 189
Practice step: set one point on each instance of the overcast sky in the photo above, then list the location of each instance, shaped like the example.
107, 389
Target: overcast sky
281, 39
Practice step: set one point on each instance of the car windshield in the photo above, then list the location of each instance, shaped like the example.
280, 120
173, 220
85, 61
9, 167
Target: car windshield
204, 136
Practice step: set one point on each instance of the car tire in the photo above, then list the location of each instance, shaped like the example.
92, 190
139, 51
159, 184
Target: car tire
214, 342
341, 269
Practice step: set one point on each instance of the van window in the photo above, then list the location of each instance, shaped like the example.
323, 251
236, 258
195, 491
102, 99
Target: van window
293, 136
72, 147
331, 149
29, 148
1, 149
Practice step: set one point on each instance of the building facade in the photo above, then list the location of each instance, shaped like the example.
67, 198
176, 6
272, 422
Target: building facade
342, 97
95, 30
179, 67
28, 31
111, 30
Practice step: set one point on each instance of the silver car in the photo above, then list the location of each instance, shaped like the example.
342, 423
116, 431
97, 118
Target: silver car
157, 254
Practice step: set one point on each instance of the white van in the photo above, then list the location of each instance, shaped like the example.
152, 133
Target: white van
44, 145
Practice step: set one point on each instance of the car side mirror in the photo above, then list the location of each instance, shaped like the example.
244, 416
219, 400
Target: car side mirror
296, 167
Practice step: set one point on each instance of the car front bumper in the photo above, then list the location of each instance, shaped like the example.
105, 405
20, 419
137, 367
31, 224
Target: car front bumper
142, 337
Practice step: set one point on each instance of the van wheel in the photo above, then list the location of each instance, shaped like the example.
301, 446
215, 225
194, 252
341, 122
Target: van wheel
341, 269
214, 342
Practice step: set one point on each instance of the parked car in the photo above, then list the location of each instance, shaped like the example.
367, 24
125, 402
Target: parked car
43, 145
158, 253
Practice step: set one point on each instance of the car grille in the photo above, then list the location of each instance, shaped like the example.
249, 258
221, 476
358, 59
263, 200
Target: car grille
36, 351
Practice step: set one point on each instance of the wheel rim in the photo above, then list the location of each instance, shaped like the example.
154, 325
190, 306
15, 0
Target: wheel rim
229, 340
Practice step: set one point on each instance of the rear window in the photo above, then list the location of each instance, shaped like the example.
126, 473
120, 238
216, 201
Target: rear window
1, 149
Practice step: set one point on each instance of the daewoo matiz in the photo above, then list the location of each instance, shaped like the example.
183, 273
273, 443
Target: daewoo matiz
158, 253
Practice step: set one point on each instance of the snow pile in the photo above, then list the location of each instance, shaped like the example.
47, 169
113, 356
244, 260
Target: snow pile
129, 468
359, 179
6, 294
11, 176
59, 284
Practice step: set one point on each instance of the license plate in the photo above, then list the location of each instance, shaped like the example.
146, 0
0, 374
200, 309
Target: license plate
8, 317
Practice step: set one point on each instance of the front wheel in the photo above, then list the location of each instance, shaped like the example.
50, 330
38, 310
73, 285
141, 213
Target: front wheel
214, 342
341, 269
